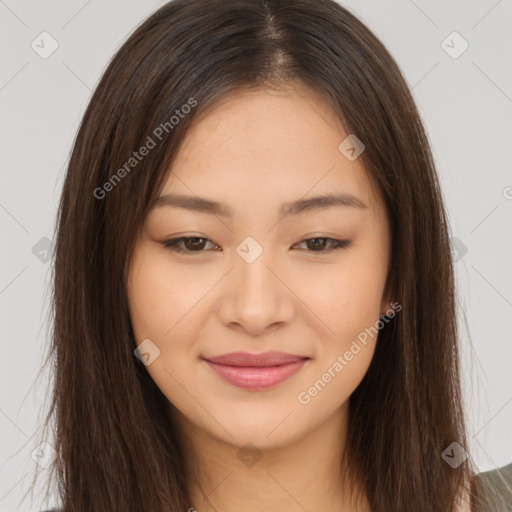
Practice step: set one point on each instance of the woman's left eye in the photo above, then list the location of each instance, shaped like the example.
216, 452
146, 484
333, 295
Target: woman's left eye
197, 244
319, 247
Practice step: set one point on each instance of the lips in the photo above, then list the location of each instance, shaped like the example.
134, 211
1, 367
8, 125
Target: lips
256, 371
248, 359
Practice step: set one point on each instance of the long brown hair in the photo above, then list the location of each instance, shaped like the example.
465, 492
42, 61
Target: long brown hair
116, 449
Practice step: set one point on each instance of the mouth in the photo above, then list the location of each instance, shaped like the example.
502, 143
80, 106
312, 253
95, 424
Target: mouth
256, 371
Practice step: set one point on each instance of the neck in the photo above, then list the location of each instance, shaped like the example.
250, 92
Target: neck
304, 474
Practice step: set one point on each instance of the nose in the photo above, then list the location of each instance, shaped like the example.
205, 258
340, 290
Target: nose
255, 298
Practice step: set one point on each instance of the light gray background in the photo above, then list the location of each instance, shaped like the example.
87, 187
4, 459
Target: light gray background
466, 104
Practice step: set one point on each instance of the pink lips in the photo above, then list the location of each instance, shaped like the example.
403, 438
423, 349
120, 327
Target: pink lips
256, 371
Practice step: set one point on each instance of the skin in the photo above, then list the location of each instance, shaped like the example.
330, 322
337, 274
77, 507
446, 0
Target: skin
254, 151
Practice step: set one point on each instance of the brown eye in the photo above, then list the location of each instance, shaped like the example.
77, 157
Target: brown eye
316, 244
187, 244
319, 244
194, 243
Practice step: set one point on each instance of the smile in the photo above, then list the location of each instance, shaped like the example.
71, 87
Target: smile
256, 377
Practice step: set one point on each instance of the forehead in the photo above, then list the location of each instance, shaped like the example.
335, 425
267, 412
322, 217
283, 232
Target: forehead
260, 144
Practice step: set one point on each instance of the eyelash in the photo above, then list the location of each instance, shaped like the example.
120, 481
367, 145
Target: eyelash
172, 244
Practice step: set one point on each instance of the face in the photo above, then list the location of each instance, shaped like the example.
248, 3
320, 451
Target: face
249, 272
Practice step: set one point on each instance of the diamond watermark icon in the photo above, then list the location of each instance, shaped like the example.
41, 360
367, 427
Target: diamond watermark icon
458, 249
249, 249
147, 352
351, 147
454, 455
43, 249
44, 45
454, 45
249, 454
44, 455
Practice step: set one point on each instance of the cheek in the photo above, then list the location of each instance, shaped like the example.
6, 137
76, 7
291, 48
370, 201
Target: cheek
160, 305
158, 300
345, 298
145, 298
322, 395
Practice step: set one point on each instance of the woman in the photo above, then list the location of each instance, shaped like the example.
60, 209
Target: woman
254, 294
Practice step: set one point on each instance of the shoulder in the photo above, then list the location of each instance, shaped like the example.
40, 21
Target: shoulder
495, 487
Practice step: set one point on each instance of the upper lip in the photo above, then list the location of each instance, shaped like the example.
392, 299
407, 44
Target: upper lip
248, 359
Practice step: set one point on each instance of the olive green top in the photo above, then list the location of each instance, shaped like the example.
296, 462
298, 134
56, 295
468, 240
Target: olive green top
495, 486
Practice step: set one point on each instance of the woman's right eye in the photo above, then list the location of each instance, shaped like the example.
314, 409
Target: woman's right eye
191, 244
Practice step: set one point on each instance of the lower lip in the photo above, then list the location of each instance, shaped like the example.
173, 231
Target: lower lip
251, 377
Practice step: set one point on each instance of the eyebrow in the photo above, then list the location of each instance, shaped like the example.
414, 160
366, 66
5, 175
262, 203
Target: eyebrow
317, 203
